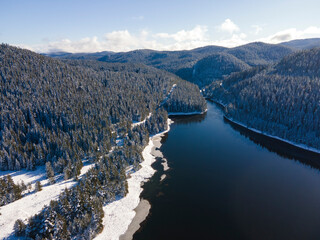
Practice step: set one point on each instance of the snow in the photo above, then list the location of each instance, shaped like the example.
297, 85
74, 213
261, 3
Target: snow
134, 124
26, 176
163, 176
186, 113
119, 214
169, 94
165, 165
218, 102
141, 122
32, 203
119, 142
129, 170
86, 166
302, 146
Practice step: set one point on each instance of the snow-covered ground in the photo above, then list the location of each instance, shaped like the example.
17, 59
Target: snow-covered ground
169, 94
33, 202
27, 176
119, 214
141, 122
276, 137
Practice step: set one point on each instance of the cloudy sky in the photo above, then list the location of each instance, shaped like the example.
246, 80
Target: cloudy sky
123, 25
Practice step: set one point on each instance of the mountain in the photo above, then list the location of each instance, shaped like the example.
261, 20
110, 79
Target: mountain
303, 44
48, 103
88, 56
258, 53
182, 63
167, 60
281, 99
61, 113
219, 65
215, 67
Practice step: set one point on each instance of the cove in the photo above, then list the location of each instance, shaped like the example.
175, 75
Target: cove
225, 182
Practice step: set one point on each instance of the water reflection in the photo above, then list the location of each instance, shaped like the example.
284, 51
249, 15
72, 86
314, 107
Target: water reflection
189, 119
223, 185
279, 147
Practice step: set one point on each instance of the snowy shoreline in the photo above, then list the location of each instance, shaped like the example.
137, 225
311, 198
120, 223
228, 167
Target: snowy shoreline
302, 146
118, 226
119, 214
186, 113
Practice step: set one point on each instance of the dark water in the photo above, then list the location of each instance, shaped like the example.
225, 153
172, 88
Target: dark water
227, 183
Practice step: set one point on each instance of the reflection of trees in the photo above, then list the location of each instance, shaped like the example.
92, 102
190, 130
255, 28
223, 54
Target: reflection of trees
279, 147
189, 119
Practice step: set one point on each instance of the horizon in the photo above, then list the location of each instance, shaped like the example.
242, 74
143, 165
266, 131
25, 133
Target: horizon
122, 26
141, 49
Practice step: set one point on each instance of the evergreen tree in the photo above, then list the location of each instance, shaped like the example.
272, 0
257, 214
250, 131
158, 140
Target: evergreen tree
50, 173
38, 186
19, 228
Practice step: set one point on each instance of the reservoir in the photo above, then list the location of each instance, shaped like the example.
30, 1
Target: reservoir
226, 182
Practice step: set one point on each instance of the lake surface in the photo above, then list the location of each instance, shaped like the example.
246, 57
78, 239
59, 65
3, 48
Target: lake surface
228, 183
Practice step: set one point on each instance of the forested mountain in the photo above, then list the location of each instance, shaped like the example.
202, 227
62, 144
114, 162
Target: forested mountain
88, 56
167, 60
53, 111
60, 111
215, 67
57, 113
182, 63
303, 44
281, 99
258, 53
219, 65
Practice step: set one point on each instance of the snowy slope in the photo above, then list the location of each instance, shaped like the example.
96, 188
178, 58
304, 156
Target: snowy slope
169, 94
119, 214
32, 203
141, 122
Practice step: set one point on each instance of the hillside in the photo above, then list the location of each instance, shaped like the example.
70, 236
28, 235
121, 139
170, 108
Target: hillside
216, 67
167, 60
182, 63
258, 53
303, 44
280, 100
60, 113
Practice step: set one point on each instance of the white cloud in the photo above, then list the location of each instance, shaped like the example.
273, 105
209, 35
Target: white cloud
123, 40
257, 29
229, 26
235, 40
82, 45
198, 36
291, 34
113, 41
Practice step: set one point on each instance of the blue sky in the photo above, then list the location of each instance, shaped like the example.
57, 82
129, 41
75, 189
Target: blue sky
123, 25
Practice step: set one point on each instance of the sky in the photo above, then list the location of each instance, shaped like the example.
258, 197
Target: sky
124, 25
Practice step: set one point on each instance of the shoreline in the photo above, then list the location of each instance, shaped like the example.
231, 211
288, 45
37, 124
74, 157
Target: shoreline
142, 211
301, 146
186, 113
122, 217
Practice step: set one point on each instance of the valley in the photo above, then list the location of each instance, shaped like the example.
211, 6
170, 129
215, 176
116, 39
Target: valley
79, 130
